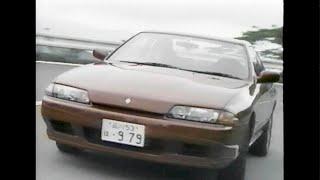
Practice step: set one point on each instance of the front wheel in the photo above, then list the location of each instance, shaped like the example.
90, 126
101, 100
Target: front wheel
262, 144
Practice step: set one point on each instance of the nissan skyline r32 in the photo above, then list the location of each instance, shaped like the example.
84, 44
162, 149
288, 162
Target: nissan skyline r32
170, 98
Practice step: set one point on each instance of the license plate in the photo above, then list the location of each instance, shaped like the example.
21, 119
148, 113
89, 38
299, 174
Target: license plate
122, 132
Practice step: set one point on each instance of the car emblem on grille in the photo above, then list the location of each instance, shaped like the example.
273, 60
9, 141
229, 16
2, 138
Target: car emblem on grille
128, 100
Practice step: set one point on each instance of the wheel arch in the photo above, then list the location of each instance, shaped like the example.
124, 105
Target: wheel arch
252, 123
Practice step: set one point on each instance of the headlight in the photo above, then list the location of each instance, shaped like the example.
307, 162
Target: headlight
202, 115
67, 93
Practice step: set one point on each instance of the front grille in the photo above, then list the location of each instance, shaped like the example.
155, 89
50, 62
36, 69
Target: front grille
61, 126
152, 145
195, 150
123, 110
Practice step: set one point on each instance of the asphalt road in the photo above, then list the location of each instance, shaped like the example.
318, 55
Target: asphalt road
52, 164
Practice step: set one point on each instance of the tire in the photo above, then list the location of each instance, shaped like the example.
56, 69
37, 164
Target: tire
261, 146
67, 149
235, 171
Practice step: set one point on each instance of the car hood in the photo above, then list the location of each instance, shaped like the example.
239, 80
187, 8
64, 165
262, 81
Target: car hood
152, 89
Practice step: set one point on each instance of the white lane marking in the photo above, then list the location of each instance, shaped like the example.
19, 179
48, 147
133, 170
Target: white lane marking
59, 63
38, 103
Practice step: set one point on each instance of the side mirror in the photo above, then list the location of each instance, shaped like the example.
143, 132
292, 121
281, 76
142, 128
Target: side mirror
268, 76
100, 54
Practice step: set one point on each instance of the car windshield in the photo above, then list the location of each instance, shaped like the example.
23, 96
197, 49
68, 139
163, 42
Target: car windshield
187, 53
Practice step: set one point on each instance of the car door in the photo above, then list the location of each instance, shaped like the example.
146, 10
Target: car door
265, 97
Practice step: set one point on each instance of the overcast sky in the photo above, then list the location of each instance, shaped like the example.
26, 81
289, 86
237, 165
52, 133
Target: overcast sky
114, 20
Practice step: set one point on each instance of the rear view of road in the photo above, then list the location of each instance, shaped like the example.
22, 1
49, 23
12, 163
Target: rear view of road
52, 164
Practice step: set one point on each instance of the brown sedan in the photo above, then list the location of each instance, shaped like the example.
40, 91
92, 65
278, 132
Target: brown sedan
169, 98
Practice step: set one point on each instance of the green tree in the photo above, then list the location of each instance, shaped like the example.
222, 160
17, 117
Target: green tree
273, 35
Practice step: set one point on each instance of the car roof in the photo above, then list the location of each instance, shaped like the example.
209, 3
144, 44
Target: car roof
231, 40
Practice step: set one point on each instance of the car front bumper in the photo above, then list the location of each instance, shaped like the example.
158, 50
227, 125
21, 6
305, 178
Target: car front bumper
167, 140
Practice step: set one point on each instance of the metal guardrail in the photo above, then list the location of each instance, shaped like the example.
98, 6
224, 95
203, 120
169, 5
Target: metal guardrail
73, 42
273, 64
89, 44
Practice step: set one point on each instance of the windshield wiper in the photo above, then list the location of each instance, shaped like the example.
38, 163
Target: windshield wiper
213, 73
174, 67
151, 64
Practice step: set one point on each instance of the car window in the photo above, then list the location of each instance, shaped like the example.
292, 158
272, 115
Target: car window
186, 52
259, 65
256, 61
